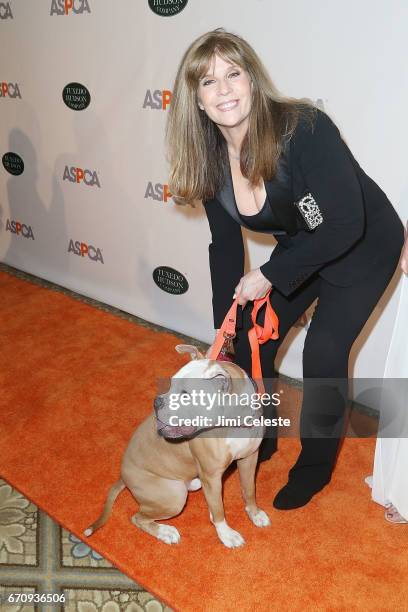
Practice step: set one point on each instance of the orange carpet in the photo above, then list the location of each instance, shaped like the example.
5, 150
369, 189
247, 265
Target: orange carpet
76, 381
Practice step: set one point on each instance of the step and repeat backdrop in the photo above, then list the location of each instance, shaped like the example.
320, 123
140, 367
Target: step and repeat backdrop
85, 88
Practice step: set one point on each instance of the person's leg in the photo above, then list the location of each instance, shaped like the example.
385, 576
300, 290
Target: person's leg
340, 314
288, 310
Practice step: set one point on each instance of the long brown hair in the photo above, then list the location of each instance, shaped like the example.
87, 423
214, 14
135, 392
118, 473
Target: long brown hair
196, 149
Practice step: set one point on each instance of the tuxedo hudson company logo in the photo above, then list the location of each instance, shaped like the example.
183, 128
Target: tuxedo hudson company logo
9, 90
78, 175
64, 7
157, 99
76, 96
167, 8
170, 280
157, 192
82, 249
5, 11
13, 163
21, 229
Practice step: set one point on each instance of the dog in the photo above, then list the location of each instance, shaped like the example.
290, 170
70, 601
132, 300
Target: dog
165, 460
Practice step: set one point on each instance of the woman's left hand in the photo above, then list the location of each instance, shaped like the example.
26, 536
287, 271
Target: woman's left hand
252, 286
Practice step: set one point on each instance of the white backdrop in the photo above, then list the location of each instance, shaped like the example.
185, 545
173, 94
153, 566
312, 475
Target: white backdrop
97, 176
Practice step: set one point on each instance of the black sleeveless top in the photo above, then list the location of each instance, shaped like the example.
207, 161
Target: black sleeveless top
279, 197
263, 219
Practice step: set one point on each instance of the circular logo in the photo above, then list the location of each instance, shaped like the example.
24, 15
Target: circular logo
170, 280
13, 163
76, 96
167, 8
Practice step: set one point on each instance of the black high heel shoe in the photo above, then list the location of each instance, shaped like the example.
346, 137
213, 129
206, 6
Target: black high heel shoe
295, 495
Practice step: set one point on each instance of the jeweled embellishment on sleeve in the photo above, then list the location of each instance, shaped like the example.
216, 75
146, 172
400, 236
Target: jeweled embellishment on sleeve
309, 210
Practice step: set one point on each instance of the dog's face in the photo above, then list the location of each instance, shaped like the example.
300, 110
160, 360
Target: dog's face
189, 394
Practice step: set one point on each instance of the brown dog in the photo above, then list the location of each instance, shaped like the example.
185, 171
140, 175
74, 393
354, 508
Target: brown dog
164, 460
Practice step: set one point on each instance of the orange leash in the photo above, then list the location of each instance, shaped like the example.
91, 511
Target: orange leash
257, 334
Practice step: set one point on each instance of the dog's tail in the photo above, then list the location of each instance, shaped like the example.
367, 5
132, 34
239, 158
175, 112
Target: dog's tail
110, 500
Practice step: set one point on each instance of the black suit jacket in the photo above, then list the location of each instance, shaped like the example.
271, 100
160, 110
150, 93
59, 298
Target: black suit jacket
360, 227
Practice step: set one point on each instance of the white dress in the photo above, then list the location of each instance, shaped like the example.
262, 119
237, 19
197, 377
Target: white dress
389, 481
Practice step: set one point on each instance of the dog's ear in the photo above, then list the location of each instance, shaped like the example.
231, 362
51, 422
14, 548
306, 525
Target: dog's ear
220, 376
225, 382
189, 348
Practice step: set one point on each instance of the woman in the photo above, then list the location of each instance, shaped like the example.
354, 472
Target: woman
389, 481
278, 165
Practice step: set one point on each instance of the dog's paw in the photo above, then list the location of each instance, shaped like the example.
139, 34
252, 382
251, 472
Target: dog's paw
229, 537
168, 534
194, 484
259, 517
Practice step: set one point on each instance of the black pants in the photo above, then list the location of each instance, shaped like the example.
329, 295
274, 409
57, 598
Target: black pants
338, 318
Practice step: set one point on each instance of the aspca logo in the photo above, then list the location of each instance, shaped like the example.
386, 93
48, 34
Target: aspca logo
13, 163
76, 96
157, 192
64, 7
169, 280
21, 229
158, 99
78, 175
5, 11
167, 8
9, 90
82, 249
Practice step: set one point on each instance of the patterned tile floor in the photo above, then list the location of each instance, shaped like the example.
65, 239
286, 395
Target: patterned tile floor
37, 556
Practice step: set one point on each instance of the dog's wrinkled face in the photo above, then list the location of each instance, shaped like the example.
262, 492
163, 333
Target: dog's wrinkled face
188, 396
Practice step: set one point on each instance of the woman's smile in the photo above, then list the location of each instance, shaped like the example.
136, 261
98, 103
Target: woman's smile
227, 106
